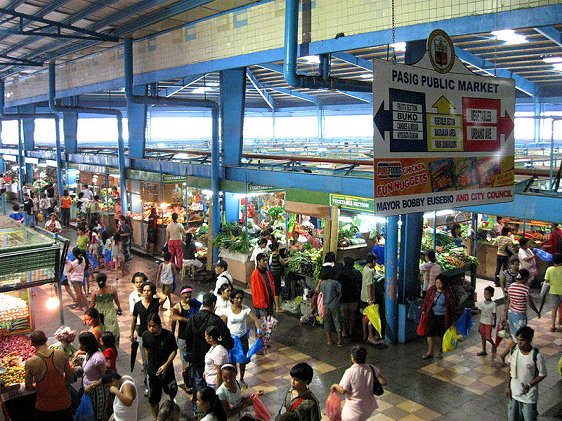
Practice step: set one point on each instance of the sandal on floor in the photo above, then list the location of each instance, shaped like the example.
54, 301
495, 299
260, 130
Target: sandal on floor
552, 329
427, 356
481, 354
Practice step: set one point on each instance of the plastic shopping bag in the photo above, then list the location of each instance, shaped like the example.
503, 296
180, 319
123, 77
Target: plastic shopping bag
237, 354
465, 323
333, 407
544, 255
85, 411
256, 347
372, 313
450, 339
260, 409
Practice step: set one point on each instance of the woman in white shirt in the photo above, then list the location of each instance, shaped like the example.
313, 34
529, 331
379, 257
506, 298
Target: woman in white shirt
215, 357
223, 299
236, 317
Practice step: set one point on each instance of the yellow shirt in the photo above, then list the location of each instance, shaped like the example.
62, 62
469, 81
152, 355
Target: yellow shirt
553, 276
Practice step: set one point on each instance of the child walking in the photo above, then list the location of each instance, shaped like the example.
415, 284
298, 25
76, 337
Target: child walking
331, 291
117, 256
110, 352
165, 276
487, 320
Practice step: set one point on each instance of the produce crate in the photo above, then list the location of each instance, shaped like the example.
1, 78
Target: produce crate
23, 249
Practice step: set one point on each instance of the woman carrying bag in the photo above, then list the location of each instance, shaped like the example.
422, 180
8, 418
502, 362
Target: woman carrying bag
359, 384
438, 314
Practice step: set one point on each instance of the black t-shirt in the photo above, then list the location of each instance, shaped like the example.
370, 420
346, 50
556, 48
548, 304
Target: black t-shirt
188, 251
350, 280
159, 348
140, 311
28, 206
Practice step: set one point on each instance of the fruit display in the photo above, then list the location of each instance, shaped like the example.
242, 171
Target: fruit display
12, 308
19, 346
14, 374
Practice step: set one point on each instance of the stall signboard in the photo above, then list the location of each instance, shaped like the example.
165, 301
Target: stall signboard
352, 203
258, 188
172, 179
443, 136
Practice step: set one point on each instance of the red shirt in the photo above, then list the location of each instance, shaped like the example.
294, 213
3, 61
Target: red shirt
110, 355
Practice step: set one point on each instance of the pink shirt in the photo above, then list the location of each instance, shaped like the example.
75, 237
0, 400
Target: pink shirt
360, 402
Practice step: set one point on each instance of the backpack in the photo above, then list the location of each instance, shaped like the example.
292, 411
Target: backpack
535, 353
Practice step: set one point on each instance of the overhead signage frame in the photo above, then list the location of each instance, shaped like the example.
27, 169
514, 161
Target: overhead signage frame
443, 136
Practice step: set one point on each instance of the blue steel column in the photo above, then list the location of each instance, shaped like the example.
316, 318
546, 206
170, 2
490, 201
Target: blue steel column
70, 127
28, 137
21, 164
537, 114
2, 169
61, 182
136, 121
215, 177
391, 279
320, 121
412, 224
233, 96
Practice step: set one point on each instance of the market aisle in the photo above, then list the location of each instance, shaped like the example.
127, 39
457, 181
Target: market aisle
417, 390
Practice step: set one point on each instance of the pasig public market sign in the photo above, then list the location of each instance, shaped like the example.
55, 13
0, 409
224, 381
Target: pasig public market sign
352, 203
443, 135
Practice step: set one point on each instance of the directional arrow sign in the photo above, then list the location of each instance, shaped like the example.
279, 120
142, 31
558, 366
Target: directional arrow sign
383, 120
443, 106
505, 126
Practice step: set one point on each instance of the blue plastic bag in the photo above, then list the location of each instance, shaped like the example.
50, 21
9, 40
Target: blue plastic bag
256, 347
237, 354
544, 255
465, 323
93, 261
85, 411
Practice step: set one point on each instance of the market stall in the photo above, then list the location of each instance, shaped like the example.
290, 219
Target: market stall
27, 259
247, 214
537, 232
358, 227
100, 180
167, 195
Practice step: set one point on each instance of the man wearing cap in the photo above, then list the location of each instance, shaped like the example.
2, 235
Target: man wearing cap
223, 277
47, 373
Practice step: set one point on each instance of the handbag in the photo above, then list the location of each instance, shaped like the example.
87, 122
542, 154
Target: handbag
377, 386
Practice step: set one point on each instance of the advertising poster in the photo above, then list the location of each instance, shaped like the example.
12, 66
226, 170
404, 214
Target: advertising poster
443, 135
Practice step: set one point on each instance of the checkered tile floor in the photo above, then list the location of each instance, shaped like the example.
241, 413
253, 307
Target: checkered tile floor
465, 369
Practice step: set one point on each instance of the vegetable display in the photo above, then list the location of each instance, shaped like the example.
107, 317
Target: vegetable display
455, 258
20, 345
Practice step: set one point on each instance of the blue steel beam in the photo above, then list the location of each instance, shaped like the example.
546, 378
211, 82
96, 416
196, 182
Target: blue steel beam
232, 100
16, 61
186, 83
362, 96
180, 7
51, 25
357, 61
540, 16
44, 11
98, 5
525, 206
551, 33
354, 186
260, 88
521, 83
296, 94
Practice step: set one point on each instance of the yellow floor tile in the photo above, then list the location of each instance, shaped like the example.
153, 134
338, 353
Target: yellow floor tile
409, 406
492, 380
463, 380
